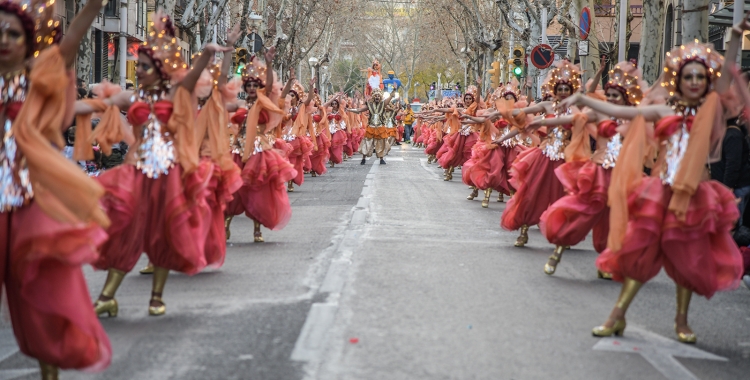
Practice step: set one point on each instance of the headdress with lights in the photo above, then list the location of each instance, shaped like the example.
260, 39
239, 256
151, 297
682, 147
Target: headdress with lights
564, 72
692, 52
38, 20
298, 90
472, 90
377, 91
510, 88
625, 77
254, 72
161, 45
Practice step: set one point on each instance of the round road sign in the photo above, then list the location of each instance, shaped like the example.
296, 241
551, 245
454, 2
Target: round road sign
585, 23
542, 56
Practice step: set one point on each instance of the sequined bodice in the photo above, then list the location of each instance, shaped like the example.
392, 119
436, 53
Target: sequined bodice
557, 139
238, 142
156, 154
674, 133
376, 114
14, 174
613, 150
335, 123
466, 129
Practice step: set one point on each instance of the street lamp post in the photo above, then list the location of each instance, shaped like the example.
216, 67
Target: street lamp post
415, 89
313, 67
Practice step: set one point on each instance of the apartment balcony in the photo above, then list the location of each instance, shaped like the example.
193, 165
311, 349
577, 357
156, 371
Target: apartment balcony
610, 10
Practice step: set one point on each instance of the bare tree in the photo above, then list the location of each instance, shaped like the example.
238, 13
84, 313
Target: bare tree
651, 39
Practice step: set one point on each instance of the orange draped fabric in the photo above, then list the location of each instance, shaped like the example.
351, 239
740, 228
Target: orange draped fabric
262, 103
626, 176
213, 120
579, 148
693, 164
62, 190
182, 126
107, 133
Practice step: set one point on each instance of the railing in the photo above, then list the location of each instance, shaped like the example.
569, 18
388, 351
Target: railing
610, 10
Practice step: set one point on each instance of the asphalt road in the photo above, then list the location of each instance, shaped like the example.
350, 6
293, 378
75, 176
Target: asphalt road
388, 272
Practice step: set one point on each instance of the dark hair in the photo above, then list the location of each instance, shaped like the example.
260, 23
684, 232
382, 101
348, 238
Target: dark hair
82, 92
26, 22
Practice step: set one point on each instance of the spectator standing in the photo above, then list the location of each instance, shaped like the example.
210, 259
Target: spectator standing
734, 168
408, 121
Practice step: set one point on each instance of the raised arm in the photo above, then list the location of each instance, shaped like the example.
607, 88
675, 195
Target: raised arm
195, 73
310, 93
270, 54
731, 55
598, 76
232, 36
288, 86
77, 29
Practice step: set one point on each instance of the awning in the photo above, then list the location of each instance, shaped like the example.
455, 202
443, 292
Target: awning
723, 16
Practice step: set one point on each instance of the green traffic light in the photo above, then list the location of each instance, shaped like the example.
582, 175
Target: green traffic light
518, 71
240, 68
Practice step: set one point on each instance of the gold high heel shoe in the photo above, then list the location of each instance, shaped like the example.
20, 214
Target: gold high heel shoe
49, 371
156, 311
474, 193
290, 187
523, 238
227, 222
257, 235
109, 306
555, 258
111, 284
500, 198
603, 275
486, 201
157, 289
683, 303
148, 269
617, 329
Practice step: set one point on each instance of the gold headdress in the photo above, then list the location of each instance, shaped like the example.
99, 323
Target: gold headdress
625, 78
255, 71
377, 91
471, 90
38, 20
298, 90
510, 88
161, 45
692, 52
564, 72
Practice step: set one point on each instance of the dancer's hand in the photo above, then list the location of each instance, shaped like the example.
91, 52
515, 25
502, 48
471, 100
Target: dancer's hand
270, 54
233, 35
569, 101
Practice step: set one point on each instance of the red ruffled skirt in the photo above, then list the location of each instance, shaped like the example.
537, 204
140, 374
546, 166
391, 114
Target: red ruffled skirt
486, 169
164, 217
433, 145
301, 147
537, 187
263, 196
319, 158
457, 150
221, 187
698, 253
281, 145
348, 148
49, 302
569, 220
336, 151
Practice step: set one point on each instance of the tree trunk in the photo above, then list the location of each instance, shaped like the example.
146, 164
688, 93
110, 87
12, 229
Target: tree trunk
85, 52
651, 39
695, 21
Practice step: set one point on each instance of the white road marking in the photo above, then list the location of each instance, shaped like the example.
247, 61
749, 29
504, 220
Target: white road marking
659, 351
311, 340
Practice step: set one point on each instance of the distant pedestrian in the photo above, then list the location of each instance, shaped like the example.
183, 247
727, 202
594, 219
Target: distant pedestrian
408, 122
734, 168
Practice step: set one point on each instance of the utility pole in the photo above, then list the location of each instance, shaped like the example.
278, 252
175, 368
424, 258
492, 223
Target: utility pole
123, 41
621, 54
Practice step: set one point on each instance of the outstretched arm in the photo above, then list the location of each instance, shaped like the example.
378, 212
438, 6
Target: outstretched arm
195, 73
289, 84
232, 36
270, 54
77, 29
598, 76
650, 113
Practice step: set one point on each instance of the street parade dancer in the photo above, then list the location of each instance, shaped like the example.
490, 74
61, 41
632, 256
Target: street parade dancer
677, 218
51, 219
376, 133
156, 200
265, 169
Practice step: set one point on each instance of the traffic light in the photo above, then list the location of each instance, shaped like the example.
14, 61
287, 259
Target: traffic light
241, 57
519, 61
495, 74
